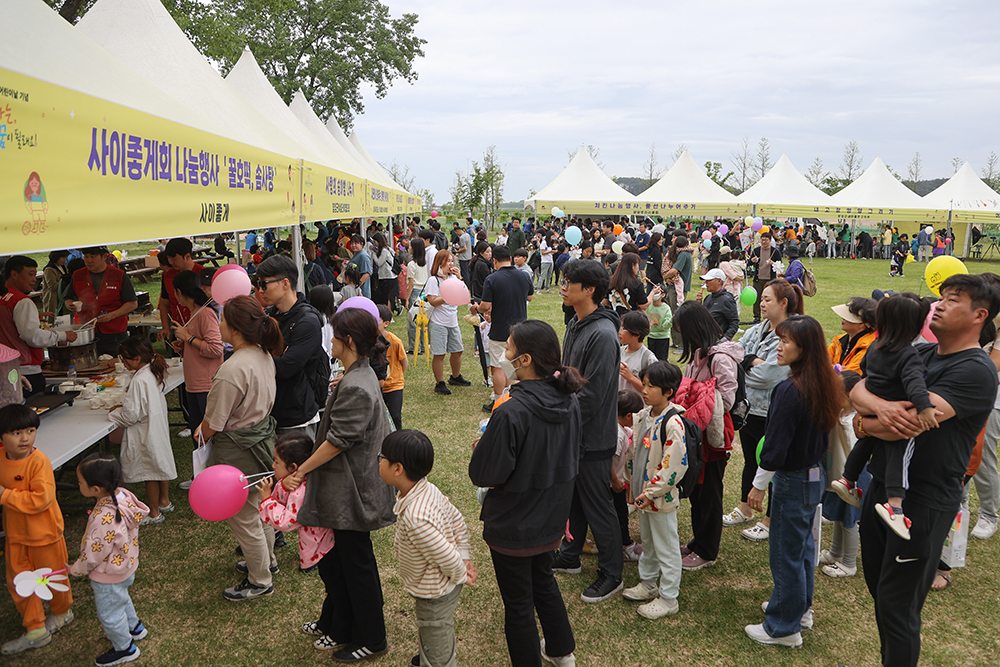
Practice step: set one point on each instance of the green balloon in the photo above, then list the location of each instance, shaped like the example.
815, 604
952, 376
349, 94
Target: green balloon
748, 296
760, 447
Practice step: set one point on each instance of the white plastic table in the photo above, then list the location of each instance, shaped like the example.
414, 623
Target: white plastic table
71, 429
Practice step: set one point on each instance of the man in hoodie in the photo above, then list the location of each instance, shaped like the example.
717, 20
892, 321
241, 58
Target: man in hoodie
721, 303
296, 405
591, 346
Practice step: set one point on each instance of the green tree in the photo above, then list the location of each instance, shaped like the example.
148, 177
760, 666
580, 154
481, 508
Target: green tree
714, 171
831, 185
328, 48
492, 177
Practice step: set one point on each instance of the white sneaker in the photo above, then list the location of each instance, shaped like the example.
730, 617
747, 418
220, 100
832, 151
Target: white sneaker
644, 590
759, 635
984, 529
186, 433
735, 518
826, 558
185, 485
658, 608
758, 533
839, 571
562, 661
806, 621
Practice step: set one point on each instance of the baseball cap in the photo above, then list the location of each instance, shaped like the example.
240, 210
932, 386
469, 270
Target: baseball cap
845, 313
713, 274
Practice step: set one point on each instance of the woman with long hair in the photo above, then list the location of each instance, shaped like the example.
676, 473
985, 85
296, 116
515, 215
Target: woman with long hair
708, 355
321, 298
528, 460
345, 493
804, 409
416, 277
480, 268
53, 272
778, 301
655, 263
446, 337
238, 421
626, 292
383, 268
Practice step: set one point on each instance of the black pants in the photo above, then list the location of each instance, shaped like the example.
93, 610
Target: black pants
750, 435
660, 347
394, 403
758, 285
621, 508
593, 506
37, 381
527, 586
196, 405
108, 343
895, 463
900, 588
706, 511
463, 267
382, 290
352, 610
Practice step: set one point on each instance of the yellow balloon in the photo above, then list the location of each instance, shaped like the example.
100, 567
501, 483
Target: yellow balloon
765, 229
748, 221
940, 269
117, 254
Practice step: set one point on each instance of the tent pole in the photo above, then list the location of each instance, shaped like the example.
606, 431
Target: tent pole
300, 285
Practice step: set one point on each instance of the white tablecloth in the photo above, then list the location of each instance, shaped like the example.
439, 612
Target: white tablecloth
71, 429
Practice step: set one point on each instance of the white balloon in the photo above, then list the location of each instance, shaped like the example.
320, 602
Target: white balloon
929, 229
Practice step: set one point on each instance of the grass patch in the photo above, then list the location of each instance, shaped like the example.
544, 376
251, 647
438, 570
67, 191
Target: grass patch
186, 562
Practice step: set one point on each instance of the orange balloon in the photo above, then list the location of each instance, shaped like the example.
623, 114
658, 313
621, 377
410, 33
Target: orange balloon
765, 229
618, 230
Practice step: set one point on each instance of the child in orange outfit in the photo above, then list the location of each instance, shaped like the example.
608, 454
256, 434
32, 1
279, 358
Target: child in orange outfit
34, 526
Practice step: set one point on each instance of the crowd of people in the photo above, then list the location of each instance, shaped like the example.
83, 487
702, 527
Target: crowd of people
637, 409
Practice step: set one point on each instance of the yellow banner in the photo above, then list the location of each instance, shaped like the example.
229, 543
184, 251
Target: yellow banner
76, 171
328, 194
975, 216
852, 213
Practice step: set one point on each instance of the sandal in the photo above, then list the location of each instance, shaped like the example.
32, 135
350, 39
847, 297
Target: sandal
944, 575
326, 643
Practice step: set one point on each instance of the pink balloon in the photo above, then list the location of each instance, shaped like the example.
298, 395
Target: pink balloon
230, 284
926, 331
706, 235
227, 267
454, 292
217, 493
434, 214
362, 303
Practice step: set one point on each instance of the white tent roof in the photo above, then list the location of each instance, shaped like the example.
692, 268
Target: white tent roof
964, 191
143, 34
582, 180
878, 188
687, 182
334, 129
301, 109
784, 185
249, 81
370, 161
47, 48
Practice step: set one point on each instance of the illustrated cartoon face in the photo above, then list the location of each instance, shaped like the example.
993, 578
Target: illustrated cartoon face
35, 185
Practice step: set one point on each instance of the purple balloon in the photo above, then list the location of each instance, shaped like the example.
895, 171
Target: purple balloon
724, 229
362, 303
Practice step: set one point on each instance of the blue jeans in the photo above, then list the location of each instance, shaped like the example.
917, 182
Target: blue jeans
115, 611
792, 549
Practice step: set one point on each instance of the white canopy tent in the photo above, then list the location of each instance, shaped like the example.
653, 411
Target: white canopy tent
583, 189
968, 199
302, 110
877, 188
784, 192
399, 194
687, 190
334, 129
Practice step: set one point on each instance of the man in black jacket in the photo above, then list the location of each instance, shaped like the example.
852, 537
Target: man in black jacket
760, 261
300, 367
721, 303
591, 346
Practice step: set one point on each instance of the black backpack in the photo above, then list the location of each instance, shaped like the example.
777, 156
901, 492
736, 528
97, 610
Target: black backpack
741, 406
695, 459
397, 267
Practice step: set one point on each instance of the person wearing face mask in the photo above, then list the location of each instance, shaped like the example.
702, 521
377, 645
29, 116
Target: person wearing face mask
529, 458
506, 293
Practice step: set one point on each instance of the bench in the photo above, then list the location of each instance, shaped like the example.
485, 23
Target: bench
214, 259
143, 275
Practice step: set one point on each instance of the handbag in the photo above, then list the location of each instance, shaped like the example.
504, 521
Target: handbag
200, 457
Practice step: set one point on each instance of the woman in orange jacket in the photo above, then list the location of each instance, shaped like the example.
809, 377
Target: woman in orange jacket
857, 320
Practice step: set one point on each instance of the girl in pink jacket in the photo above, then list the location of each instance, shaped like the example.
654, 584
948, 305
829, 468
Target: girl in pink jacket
280, 507
109, 554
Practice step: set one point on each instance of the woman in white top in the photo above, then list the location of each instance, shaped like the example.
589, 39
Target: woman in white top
416, 278
446, 337
383, 263
546, 250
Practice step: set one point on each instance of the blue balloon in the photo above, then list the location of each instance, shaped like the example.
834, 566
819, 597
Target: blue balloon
573, 235
475, 223
707, 243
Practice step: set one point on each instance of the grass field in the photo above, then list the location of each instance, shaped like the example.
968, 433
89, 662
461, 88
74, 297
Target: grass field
186, 562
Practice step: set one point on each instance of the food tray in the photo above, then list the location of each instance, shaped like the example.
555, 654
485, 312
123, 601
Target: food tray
44, 403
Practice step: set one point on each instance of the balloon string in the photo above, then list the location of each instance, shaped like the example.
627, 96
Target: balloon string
256, 482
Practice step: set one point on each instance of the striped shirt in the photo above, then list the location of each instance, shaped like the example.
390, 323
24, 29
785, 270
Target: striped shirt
431, 542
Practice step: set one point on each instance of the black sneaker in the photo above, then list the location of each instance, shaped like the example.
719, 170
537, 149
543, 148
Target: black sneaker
242, 567
602, 589
307, 570
138, 632
415, 660
246, 591
357, 653
114, 657
488, 408
459, 381
563, 563
279, 539
239, 550
442, 388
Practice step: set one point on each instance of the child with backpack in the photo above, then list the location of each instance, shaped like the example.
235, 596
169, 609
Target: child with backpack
659, 460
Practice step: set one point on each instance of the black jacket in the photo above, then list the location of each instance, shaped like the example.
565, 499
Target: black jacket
722, 306
529, 455
591, 346
294, 400
481, 269
753, 266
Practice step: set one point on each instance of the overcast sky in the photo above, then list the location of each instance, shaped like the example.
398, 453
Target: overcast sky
540, 78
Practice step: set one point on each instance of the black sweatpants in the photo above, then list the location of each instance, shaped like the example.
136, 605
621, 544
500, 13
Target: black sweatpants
352, 610
896, 478
899, 573
527, 586
394, 404
706, 511
621, 508
593, 506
